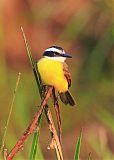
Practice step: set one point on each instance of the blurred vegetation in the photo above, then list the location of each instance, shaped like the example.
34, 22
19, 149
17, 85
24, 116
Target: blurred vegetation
86, 30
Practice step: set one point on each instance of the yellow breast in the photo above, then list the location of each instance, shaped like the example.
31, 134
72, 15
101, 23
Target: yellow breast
51, 73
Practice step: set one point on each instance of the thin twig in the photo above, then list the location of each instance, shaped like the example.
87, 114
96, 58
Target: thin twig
55, 143
40, 87
90, 158
57, 111
30, 129
11, 108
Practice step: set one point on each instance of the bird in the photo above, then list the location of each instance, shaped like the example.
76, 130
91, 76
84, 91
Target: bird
54, 72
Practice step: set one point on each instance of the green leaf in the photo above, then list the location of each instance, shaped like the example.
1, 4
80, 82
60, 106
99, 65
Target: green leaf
37, 77
38, 81
34, 146
78, 145
35, 149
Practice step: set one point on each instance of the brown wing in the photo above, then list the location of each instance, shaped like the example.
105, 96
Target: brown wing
67, 74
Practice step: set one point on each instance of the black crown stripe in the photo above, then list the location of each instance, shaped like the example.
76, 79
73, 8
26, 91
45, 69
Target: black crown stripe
51, 54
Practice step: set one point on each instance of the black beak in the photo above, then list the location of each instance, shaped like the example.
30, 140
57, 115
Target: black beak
66, 55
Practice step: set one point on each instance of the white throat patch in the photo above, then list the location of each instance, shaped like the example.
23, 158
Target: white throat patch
60, 59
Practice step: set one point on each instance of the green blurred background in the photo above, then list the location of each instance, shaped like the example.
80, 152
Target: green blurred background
85, 28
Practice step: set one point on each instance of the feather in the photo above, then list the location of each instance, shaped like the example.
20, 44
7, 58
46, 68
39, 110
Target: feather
67, 74
66, 98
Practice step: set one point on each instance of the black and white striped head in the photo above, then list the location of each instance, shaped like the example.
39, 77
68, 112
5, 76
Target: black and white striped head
56, 53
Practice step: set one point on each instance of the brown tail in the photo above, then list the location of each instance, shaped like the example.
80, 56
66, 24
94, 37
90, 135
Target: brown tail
66, 98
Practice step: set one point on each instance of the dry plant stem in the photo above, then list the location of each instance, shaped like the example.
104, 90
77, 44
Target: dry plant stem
55, 143
11, 108
30, 129
37, 77
57, 111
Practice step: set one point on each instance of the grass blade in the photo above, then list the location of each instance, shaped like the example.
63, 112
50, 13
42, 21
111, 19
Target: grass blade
11, 108
34, 146
38, 81
35, 142
35, 149
39, 84
78, 145
37, 77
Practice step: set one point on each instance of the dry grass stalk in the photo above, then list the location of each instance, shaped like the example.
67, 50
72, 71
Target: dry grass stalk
30, 129
10, 111
55, 143
57, 111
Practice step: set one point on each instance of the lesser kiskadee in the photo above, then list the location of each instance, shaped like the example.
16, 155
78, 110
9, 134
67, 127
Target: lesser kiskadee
54, 72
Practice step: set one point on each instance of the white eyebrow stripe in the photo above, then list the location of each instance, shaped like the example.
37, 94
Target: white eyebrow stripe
54, 50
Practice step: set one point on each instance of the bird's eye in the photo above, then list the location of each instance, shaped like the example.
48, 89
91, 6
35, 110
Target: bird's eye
56, 54
51, 54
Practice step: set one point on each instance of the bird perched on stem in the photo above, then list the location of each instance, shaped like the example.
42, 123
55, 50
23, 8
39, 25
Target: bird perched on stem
54, 72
